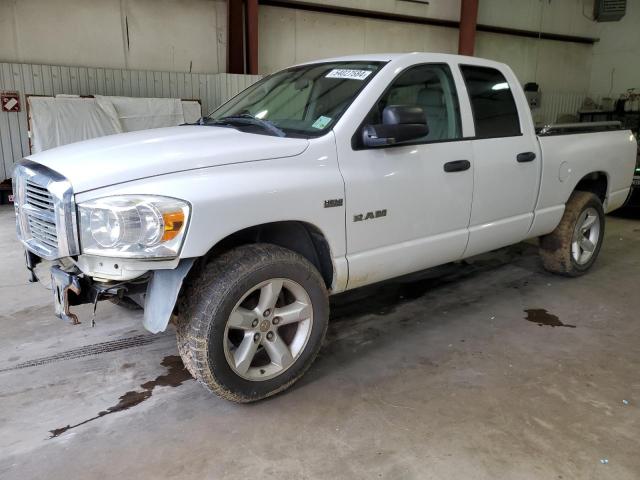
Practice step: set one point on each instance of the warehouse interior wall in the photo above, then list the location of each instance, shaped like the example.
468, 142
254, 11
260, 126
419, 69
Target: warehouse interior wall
570, 17
136, 35
289, 36
616, 57
440, 9
555, 66
126, 34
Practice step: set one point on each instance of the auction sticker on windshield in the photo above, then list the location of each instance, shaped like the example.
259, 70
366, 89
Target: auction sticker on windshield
321, 122
348, 74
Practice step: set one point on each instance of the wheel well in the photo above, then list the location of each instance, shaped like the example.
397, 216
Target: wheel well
300, 237
595, 182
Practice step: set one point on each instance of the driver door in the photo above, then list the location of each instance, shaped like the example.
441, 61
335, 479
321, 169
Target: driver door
407, 209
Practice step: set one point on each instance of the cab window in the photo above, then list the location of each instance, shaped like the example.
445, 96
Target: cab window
494, 110
428, 86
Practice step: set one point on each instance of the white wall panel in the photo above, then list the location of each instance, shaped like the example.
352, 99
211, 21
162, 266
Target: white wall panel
441, 9
556, 104
174, 36
212, 90
65, 32
555, 66
166, 35
568, 17
221, 87
616, 57
289, 36
8, 51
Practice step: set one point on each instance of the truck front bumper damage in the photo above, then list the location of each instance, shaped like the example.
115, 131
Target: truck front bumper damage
64, 286
160, 293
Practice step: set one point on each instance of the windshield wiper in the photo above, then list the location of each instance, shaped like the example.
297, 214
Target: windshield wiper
245, 119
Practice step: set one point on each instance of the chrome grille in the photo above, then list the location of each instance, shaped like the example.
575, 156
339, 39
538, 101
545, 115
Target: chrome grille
38, 196
43, 230
45, 211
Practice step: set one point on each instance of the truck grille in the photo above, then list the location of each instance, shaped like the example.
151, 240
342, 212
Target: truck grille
45, 211
38, 196
43, 231
42, 226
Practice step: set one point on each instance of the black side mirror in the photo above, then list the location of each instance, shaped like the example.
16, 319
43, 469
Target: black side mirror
400, 123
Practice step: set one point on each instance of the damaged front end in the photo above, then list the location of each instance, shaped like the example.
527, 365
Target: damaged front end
156, 291
130, 245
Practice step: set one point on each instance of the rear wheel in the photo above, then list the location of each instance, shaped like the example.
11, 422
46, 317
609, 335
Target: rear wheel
572, 248
252, 321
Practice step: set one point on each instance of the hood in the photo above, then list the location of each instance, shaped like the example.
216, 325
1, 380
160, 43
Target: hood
131, 156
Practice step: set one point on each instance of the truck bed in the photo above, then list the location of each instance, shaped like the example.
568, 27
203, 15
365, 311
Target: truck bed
572, 153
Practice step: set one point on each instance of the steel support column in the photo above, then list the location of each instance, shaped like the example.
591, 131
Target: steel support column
242, 44
468, 20
235, 36
251, 37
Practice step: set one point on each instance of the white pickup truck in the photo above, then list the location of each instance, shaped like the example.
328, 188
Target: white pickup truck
318, 179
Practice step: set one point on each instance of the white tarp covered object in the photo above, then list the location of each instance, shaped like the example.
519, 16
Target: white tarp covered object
66, 119
61, 120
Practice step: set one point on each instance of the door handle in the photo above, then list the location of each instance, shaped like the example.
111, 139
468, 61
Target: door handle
526, 157
457, 166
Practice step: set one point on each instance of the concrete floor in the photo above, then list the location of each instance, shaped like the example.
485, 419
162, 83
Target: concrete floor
434, 378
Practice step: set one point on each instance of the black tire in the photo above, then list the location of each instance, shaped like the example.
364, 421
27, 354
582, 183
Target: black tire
126, 303
213, 293
556, 248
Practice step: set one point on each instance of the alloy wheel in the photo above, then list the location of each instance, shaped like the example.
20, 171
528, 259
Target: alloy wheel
586, 236
268, 329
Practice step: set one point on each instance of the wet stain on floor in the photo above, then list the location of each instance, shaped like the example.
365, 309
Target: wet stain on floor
176, 375
544, 318
383, 298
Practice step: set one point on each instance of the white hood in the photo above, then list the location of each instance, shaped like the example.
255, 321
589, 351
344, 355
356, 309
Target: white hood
131, 156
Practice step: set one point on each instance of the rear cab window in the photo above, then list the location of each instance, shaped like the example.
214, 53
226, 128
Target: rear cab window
495, 113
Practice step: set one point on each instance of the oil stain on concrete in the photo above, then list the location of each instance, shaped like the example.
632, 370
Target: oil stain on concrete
542, 318
175, 376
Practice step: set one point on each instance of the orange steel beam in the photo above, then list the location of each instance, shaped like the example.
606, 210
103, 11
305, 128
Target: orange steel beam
251, 38
468, 20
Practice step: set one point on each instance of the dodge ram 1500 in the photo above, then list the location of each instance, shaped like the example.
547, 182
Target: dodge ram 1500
317, 179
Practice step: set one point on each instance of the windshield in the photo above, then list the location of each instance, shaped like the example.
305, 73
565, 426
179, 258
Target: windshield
303, 101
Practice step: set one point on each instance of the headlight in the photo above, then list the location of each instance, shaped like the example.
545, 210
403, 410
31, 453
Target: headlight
133, 226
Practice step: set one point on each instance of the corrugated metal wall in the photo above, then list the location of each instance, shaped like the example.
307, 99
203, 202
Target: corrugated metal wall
223, 86
555, 104
210, 89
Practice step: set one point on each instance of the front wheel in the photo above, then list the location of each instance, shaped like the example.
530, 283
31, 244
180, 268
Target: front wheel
252, 321
572, 248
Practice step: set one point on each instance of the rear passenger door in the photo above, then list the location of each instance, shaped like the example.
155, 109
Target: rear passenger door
507, 164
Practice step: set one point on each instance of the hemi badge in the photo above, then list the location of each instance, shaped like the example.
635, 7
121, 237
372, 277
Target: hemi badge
336, 202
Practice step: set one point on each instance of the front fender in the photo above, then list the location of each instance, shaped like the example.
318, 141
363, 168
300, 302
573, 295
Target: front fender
162, 293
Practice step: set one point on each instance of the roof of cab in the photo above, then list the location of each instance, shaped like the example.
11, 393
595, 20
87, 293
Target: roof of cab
389, 57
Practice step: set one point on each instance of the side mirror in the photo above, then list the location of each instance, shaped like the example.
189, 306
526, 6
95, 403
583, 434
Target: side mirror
400, 123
